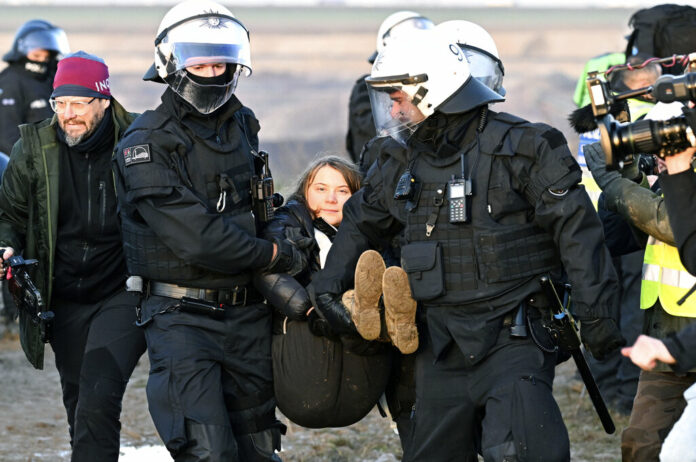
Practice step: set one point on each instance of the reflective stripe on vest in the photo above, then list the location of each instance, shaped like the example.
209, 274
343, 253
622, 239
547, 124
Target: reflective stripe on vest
665, 277
638, 108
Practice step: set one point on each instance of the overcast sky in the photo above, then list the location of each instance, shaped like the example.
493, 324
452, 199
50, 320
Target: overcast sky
381, 3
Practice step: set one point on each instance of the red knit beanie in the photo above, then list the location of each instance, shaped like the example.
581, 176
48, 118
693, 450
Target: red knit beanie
81, 74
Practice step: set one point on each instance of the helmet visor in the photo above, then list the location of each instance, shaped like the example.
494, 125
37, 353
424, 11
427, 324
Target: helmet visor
194, 54
407, 25
205, 98
484, 68
207, 40
52, 40
394, 111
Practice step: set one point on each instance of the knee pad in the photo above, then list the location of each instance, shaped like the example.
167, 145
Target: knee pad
207, 442
260, 446
538, 429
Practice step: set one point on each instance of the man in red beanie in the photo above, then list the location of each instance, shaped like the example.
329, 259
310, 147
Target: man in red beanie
58, 205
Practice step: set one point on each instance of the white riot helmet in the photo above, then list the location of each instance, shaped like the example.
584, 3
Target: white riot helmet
397, 23
416, 75
199, 32
480, 50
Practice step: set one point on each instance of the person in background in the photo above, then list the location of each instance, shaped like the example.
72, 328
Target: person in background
616, 376
25, 88
58, 205
677, 349
659, 398
361, 127
26, 82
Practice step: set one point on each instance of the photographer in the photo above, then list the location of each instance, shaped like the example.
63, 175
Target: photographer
677, 349
678, 185
659, 402
617, 376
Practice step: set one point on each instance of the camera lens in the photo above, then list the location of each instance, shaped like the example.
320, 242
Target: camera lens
621, 141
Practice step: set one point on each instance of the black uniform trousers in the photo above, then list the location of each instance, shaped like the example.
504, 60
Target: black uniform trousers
501, 407
210, 390
96, 346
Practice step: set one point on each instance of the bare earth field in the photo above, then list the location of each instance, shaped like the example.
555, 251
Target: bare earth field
305, 63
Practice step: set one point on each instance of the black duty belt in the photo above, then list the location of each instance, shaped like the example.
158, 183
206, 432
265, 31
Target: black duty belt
237, 296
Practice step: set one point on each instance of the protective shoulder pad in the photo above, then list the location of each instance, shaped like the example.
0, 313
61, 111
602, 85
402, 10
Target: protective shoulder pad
501, 135
509, 118
148, 120
390, 148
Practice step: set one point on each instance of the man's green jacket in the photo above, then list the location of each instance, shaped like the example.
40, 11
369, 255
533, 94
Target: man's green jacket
29, 210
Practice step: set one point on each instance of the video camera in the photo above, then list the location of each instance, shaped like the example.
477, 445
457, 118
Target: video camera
26, 295
620, 141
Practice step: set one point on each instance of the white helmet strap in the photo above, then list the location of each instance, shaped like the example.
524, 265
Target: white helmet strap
420, 94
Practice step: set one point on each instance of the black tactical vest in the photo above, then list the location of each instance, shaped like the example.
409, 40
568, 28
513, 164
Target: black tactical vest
219, 174
459, 263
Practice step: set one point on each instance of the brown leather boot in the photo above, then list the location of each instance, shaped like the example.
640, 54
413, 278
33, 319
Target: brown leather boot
400, 310
363, 301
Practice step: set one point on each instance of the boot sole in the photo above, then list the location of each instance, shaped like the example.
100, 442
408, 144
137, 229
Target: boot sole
400, 310
368, 290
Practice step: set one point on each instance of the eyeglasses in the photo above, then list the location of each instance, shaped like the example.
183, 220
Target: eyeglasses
78, 107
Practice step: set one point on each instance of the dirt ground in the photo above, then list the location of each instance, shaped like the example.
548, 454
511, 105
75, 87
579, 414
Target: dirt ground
305, 63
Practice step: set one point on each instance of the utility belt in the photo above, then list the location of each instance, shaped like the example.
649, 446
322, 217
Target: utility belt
210, 302
532, 318
238, 296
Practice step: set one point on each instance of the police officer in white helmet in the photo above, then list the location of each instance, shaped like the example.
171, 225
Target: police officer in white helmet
480, 51
361, 127
485, 203
183, 173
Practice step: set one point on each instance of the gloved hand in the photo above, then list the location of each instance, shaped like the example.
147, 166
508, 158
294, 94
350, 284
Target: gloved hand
302, 242
596, 162
632, 170
284, 293
600, 336
319, 326
288, 259
333, 310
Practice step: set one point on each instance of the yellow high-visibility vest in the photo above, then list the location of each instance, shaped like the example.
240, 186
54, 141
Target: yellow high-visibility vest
665, 277
638, 108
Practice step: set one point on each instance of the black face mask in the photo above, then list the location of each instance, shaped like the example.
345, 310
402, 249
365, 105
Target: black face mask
38, 68
205, 94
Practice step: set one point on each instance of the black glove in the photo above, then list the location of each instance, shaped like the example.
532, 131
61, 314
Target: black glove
294, 234
285, 294
319, 326
600, 336
333, 310
596, 162
288, 259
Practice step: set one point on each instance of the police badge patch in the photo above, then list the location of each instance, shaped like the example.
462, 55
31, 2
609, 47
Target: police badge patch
137, 154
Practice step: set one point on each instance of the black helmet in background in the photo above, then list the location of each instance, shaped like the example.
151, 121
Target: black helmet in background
37, 34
